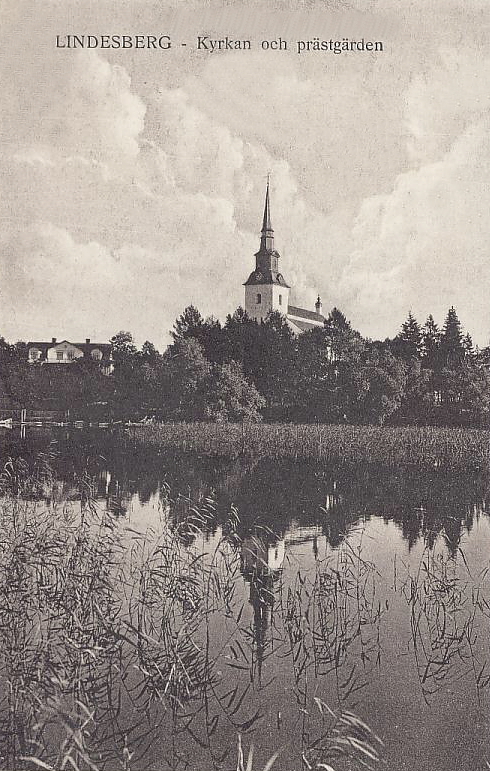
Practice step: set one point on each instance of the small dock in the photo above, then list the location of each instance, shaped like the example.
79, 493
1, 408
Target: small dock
13, 418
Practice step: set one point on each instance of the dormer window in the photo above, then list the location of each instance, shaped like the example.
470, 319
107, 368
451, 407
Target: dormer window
259, 299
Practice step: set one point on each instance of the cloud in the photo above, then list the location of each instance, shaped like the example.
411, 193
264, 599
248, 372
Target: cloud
131, 185
441, 104
425, 246
84, 109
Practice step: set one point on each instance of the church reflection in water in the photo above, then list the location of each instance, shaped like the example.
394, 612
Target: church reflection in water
297, 501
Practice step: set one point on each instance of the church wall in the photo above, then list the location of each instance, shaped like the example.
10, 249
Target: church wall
272, 298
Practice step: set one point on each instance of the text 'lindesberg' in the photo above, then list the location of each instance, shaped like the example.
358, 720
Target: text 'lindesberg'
213, 45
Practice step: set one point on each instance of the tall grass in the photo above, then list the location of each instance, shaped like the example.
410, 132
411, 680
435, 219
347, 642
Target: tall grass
427, 447
114, 640
158, 648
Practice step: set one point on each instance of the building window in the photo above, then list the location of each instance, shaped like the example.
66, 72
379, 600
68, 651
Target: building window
96, 354
34, 354
280, 299
70, 355
59, 355
259, 299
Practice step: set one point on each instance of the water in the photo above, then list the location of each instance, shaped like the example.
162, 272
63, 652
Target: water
363, 589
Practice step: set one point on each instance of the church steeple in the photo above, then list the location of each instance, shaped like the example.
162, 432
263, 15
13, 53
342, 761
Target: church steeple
267, 258
265, 289
267, 233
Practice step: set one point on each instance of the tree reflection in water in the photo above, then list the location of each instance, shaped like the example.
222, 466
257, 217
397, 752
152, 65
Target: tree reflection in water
248, 602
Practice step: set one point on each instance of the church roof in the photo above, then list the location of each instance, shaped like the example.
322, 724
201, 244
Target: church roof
302, 313
301, 324
266, 221
263, 276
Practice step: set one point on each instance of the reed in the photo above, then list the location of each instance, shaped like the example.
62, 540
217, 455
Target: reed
426, 447
108, 640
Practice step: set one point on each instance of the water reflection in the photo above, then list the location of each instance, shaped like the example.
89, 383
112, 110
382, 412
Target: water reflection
294, 500
287, 587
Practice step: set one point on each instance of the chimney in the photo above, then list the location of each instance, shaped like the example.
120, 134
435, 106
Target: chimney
53, 340
87, 340
318, 305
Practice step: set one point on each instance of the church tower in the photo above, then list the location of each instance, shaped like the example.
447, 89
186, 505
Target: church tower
265, 288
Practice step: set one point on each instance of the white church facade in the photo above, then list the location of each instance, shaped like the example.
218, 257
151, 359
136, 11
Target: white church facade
266, 289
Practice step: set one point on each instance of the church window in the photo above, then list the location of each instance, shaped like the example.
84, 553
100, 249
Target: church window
280, 299
259, 299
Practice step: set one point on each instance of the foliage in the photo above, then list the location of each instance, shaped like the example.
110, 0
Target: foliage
244, 371
431, 339
102, 631
426, 446
452, 348
408, 343
230, 397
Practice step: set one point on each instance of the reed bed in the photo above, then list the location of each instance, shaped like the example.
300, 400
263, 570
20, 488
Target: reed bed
116, 640
113, 639
425, 447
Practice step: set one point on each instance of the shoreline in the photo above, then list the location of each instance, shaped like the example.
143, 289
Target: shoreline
423, 447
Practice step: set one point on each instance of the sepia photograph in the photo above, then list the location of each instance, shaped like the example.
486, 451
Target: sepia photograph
245, 385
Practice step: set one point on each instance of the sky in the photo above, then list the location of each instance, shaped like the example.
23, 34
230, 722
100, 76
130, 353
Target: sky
132, 181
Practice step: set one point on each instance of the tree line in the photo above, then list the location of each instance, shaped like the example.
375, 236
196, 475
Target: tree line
243, 370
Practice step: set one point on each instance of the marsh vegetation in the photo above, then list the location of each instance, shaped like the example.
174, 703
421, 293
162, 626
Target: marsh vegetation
426, 447
153, 627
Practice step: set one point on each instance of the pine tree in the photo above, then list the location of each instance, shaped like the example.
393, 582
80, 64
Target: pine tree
452, 348
408, 343
468, 346
336, 321
189, 324
431, 340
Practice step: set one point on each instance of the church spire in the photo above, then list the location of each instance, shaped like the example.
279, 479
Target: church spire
267, 233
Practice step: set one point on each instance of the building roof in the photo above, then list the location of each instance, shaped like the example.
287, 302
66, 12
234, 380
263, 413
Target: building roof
302, 326
263, 276
85, 347
302, 313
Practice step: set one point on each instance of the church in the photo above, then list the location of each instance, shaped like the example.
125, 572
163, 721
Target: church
266, 289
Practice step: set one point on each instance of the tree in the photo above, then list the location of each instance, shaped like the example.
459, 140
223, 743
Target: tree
188, 324
465, 391
408, 343
123, 348
452, 349
241, 343
231, 397
321, 380
336, 321
184, 380
431, 341
419, 397
378, 387
469, 351
273, 357
149, 354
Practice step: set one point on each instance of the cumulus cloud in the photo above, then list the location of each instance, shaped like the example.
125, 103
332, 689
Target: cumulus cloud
130, 186
425, 246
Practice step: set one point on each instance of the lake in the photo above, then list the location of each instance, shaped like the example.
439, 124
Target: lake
306, 592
